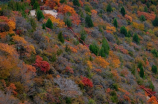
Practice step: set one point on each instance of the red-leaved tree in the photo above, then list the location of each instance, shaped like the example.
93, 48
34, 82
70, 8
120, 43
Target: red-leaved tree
43, 65
87, 82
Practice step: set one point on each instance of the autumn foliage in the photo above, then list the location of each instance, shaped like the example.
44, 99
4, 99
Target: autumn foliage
148, 16
87, 82
129, 18
101, 61
75, 19
57, 21
53, 3
11, 23
65, 9
43, 65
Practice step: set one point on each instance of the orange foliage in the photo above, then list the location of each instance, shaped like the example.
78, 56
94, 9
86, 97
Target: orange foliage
11, 26
54, 20
8, 50
75, 19
149, 16
94, 12
108, 90
101, 62
73, 49
52, 3
111, 28
152, 100
114, 60
89, 64
124, 91
98, 70
19, 39
129, 18
115, 74
10, 23
65, 8
81, 3
31, 68
12, 87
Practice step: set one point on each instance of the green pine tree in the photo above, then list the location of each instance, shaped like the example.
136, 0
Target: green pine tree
33, 2
105, 46
94, 48
123, 12
155, 22
145, 9
123, 30
109, 8
49, 24
141, 73
89, 21
154, 69
76, 2
43, 26
142, 18
136, 38
115, 22
35, 5
60, 37
39, 15
68, 22
101, 52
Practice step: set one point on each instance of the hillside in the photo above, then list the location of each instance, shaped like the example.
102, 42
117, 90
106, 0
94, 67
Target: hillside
93, 52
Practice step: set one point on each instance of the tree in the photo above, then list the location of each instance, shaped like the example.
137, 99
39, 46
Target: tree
83, 35
123, 30
33, 23
109, 8
105, 46
155, 22
115, 23
101, 52
87, 82
39, 15
60, 37
43, 65
63, 1
142, 18
141, 72
35, 5
75, 19
123, 12
33, 2
136, 38
94, 48
76, 2
68, 22
89, 21
154, 69
145, 9
49, 24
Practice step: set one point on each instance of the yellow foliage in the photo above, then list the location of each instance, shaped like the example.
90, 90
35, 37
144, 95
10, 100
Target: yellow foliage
114, 60
138, 26
101, 62
8, 50
19, 39
89, 64
149, 46
11, 25
111, 28
55, 20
